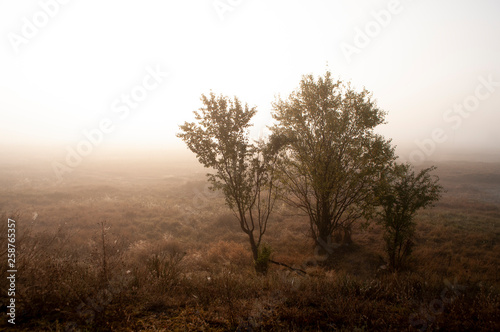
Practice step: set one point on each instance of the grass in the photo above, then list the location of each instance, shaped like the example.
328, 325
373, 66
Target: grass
175, 259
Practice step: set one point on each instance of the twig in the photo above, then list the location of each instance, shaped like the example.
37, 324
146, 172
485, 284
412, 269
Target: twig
298, 271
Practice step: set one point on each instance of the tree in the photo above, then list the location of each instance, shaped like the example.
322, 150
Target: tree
243, 170
330, 156
400, 194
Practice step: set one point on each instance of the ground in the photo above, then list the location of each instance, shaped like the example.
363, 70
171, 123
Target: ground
147, 246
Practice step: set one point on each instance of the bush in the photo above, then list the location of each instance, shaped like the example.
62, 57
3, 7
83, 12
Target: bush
401, 194
156, 264
262, 261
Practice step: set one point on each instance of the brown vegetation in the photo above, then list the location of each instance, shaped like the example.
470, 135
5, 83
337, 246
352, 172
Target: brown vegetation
170, 256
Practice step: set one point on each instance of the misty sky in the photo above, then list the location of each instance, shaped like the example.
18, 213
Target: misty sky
67, 66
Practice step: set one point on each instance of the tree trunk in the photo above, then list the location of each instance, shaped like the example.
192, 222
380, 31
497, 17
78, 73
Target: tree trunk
347, 235
253, 246
260, 263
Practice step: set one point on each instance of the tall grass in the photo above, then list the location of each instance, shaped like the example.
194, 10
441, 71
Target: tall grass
156, 266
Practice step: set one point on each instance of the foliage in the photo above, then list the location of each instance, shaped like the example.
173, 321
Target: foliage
401, 194
330, 156
262, 261
243, 170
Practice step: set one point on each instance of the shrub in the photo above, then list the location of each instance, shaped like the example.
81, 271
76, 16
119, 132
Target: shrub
401, 194
263, 258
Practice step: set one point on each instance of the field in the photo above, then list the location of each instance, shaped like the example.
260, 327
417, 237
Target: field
130, 246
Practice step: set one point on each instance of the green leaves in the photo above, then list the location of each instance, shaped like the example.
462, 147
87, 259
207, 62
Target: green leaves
324, 154
330, 156
243, 169
221, 130
401, 193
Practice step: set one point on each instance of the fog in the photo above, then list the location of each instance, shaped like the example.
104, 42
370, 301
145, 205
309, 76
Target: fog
109, 222
123, 75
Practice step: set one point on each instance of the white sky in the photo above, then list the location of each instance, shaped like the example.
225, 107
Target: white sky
66, 77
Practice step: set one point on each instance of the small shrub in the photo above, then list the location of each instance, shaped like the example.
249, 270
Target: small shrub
262, 261
401, 194
157, 263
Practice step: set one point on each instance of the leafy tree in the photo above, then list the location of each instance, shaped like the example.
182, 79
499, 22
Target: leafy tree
243, 170
401, 193
330, 156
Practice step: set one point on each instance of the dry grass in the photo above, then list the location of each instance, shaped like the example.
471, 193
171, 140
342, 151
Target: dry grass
176, 260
